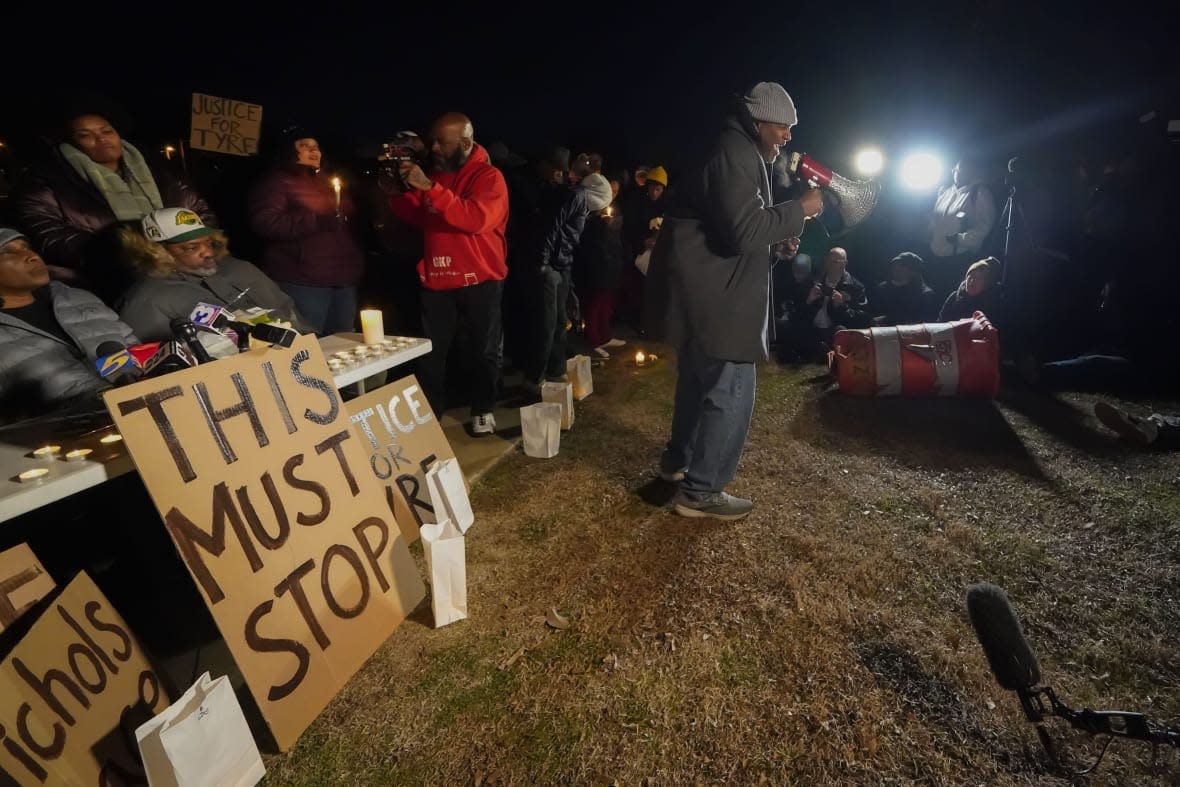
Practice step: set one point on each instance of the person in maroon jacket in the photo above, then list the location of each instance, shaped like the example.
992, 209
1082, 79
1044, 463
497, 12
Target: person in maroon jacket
92, 180
310, 251
462, 208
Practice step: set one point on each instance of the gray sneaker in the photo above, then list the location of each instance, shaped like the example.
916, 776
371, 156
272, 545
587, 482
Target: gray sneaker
716, 506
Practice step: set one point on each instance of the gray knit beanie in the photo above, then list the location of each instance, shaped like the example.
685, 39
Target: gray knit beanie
598, 193
8, 235
769, 102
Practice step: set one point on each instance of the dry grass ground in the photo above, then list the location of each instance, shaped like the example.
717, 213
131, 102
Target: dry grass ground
821, 641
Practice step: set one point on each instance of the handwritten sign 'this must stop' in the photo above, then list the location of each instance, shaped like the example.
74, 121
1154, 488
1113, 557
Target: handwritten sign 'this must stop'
261, 482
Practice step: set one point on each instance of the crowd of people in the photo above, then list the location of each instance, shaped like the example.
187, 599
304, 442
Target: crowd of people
102, 243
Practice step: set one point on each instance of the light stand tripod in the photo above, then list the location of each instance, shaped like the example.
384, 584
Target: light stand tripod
1009, 215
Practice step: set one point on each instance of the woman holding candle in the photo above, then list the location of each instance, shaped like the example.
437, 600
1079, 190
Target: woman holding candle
303, 216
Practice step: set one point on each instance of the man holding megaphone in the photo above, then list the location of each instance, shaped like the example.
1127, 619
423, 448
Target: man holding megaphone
708, 290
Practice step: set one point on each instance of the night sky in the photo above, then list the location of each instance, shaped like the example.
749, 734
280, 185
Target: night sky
637, 80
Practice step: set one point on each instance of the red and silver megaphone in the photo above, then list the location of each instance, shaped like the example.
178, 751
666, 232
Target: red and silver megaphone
855, 199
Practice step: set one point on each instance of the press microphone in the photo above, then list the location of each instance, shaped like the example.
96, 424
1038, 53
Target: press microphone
1008, 653
208, 314
273, 334
116, 364
171, 357
186, 331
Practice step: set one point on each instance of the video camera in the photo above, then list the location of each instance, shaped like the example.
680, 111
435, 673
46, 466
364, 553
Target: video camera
405, 146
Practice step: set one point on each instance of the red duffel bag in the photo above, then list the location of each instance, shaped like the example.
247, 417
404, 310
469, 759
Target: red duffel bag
960, 358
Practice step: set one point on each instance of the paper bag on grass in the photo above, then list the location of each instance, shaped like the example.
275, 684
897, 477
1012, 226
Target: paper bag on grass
446, 560
578, 369
448, 494
201, 740
562, 394
540, 428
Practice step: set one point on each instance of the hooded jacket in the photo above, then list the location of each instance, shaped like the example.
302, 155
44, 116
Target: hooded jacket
151, 304
39, 371
463, 218
709, 278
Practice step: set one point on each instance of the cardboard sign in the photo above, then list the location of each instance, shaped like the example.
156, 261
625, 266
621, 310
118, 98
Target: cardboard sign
261, 482
225, 126
402, 438
23, 582
72, 693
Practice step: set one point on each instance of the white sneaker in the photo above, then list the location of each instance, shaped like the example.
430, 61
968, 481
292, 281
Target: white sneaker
615, 343
601, 352
483, 424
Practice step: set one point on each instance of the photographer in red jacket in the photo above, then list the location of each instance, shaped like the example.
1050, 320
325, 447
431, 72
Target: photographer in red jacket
462, 208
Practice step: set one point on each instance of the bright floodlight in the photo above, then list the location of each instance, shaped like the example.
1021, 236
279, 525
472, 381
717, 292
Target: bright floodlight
921, 171
869, 161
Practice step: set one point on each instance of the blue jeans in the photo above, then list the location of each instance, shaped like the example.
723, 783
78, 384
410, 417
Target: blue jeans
553, 289
710, 419
327, 309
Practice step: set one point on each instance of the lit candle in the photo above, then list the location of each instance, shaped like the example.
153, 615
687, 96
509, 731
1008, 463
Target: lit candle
372, 326
47, 451
336, 187
335, 364
343, 355
34, 475
111, 438
640, 358
609, 211
77, 455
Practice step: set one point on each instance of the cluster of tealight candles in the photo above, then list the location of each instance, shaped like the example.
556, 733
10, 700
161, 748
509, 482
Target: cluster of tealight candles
53, 452
345, 358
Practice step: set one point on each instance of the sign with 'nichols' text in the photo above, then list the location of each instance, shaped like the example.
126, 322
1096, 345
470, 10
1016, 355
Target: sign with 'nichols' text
72, 692
253, 465
225, 126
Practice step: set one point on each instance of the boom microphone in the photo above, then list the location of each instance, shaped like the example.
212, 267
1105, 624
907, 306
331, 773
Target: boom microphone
1015, 667
855, 199
1008, 653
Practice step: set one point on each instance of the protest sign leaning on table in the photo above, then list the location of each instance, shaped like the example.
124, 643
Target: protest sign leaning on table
180, 263
50, 334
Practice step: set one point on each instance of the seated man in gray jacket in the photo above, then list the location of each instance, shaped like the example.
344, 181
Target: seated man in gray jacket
180, 263
49, 335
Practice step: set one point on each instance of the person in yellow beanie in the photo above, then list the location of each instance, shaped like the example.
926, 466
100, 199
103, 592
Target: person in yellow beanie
657, 175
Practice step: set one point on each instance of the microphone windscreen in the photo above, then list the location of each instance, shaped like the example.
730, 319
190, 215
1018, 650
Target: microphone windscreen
108, 348
1008, 653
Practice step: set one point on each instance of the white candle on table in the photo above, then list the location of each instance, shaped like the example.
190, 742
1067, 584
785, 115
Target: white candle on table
37, 474
336, 187
372, 326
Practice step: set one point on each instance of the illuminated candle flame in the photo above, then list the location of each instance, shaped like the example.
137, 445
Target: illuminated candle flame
640, 357
336, 184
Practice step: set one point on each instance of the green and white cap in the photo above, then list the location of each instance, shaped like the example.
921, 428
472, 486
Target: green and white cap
174, 225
